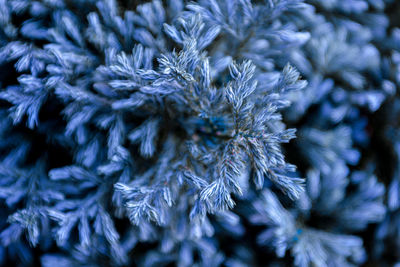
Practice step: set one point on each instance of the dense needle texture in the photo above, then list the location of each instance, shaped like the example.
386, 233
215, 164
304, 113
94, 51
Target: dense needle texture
199, 133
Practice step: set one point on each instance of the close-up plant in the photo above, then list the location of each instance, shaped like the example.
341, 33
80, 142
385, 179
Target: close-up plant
199, 133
